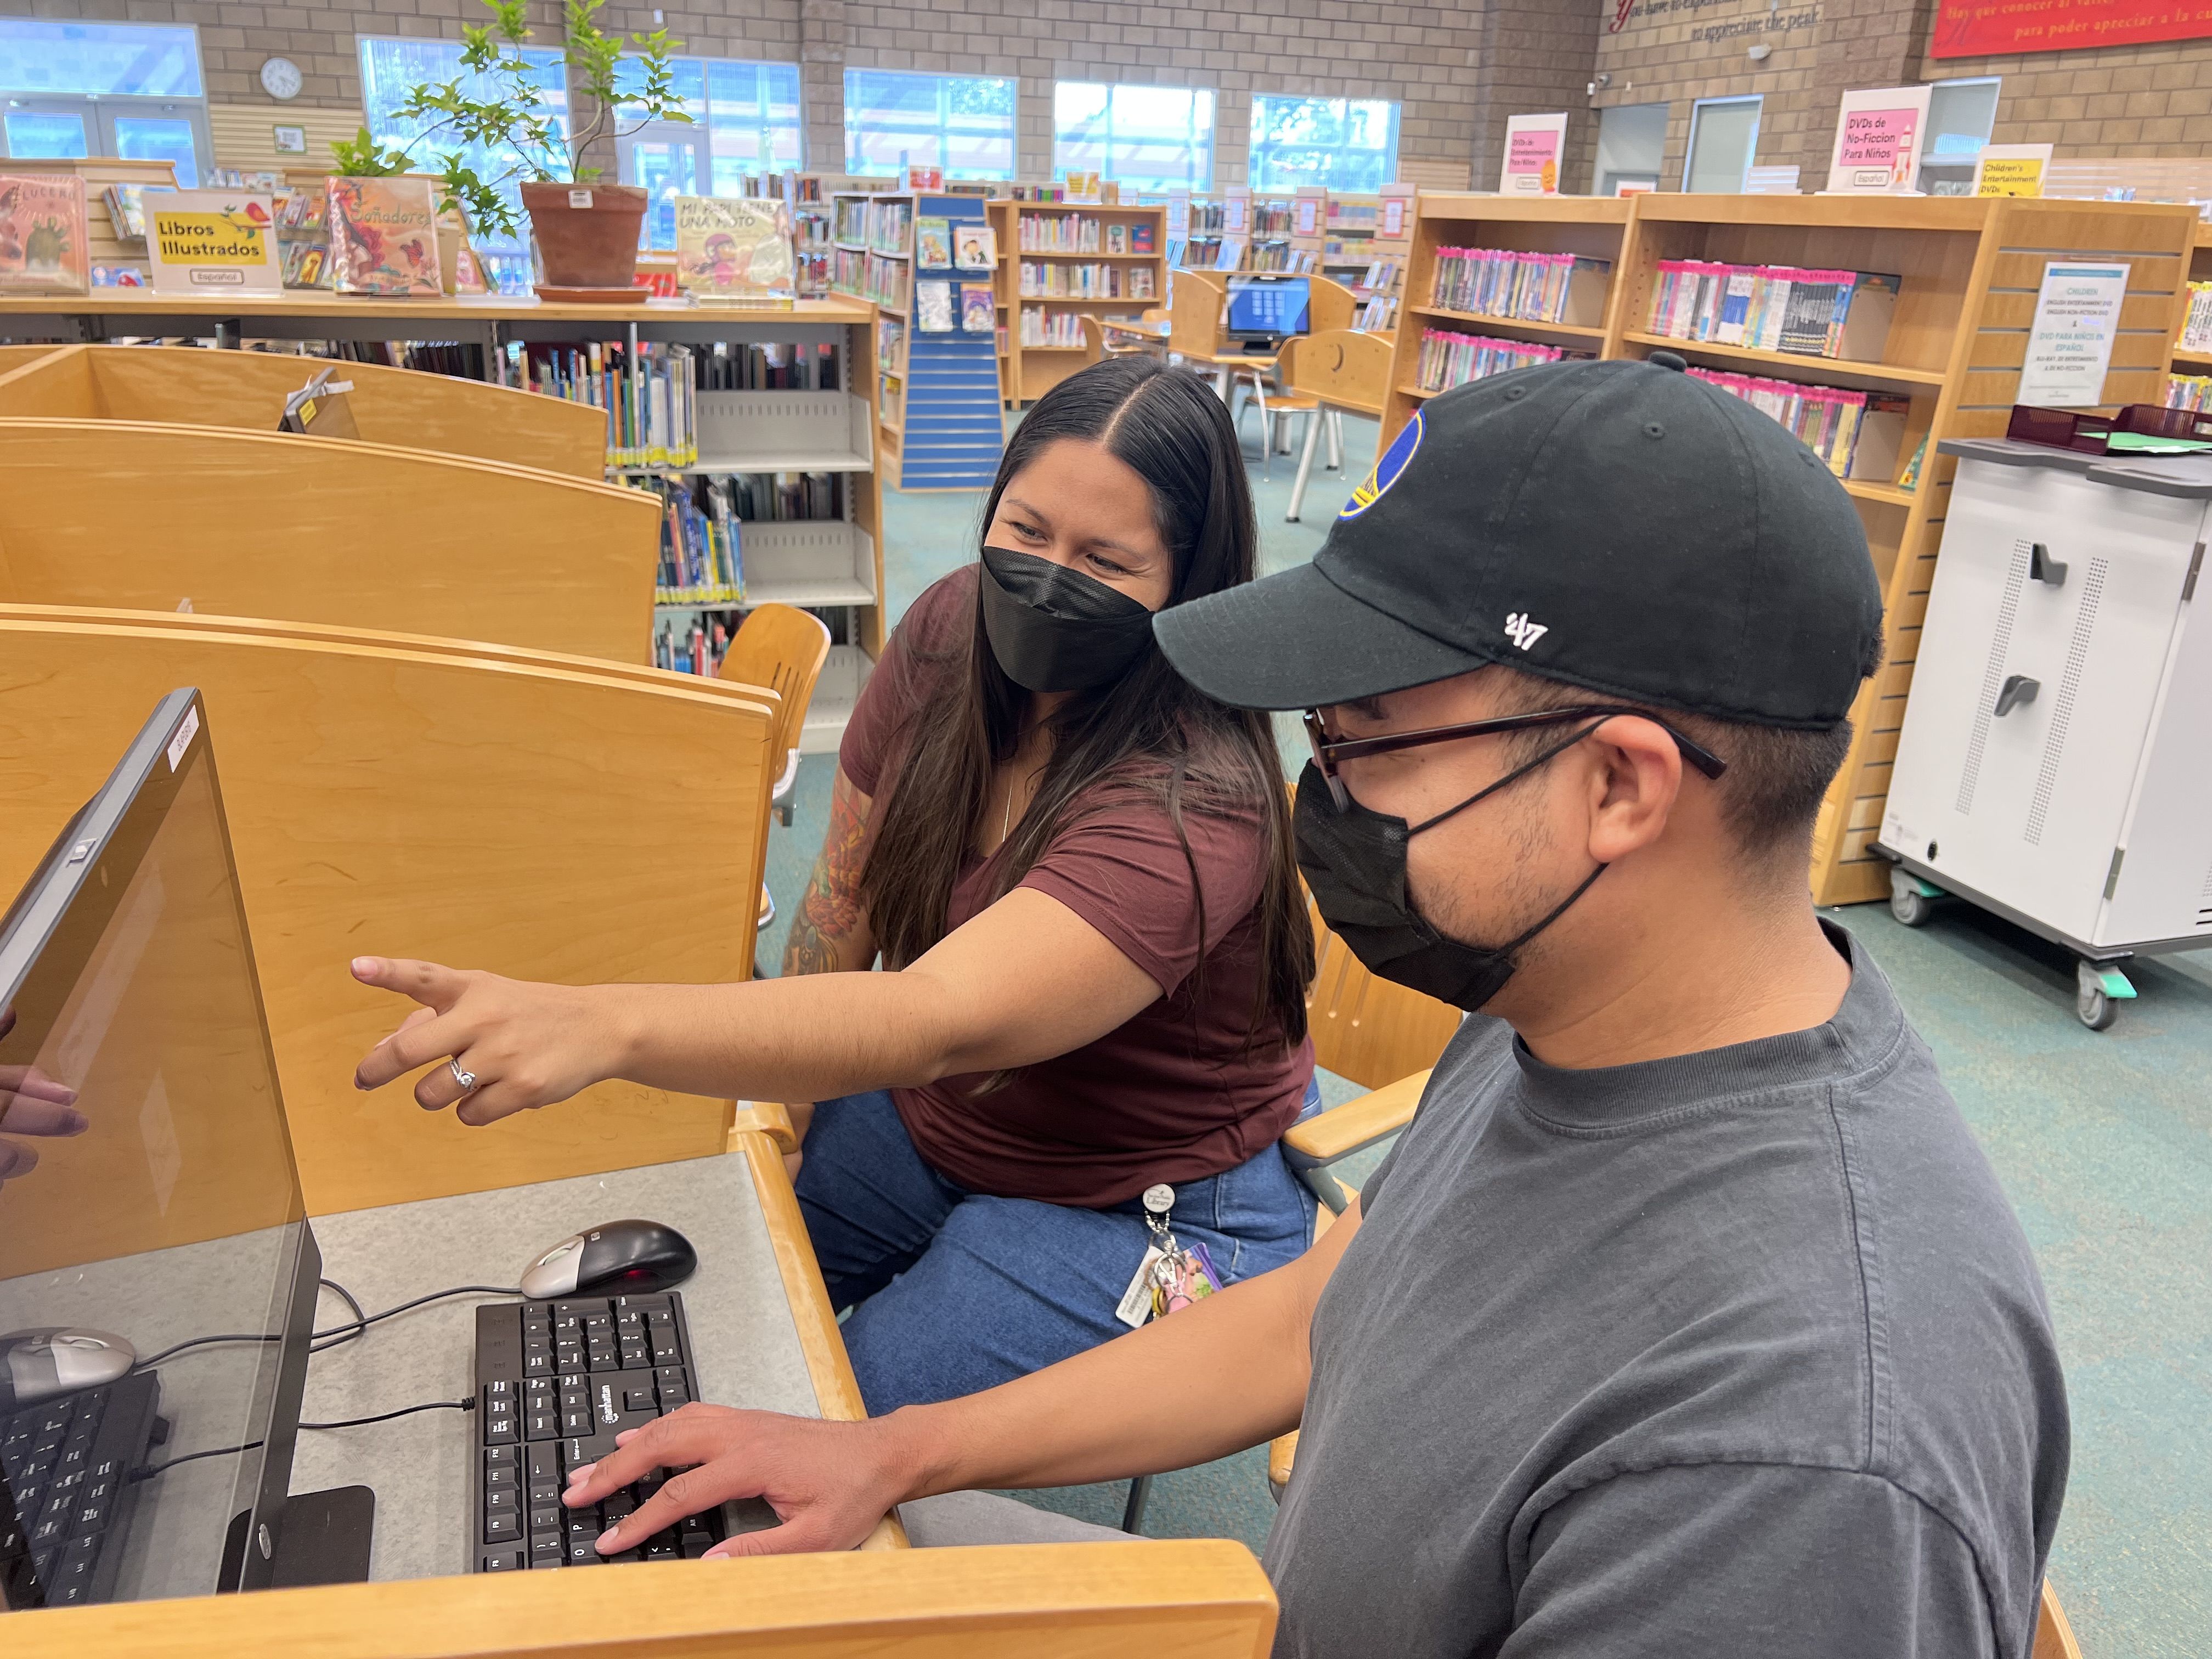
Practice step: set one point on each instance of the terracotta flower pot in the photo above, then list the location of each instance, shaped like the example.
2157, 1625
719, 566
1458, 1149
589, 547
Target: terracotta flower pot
586, 234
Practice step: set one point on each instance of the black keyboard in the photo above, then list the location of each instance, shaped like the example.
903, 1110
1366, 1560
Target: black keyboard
555, 1383
68, 1463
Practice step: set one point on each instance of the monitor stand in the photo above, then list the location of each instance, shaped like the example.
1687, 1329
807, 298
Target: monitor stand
324, 1539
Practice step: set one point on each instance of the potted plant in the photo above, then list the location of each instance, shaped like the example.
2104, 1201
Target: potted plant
587, 232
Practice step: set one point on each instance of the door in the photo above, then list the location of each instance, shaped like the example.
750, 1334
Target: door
1631, 145
668, 160
48, 127
136, 129
1724, 134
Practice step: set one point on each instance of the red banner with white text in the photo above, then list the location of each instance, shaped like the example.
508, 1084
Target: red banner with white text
1992, 28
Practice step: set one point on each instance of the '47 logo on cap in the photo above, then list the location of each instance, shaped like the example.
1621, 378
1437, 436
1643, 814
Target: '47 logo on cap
1523, 632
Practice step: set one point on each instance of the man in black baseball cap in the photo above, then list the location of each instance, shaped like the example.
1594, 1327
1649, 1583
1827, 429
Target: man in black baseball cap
1685, 1318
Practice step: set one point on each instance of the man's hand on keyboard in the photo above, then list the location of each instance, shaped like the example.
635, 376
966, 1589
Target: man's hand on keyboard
829, 1482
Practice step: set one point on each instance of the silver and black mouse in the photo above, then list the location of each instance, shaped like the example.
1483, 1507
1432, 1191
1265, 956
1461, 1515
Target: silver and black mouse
37, 1365
620, 1258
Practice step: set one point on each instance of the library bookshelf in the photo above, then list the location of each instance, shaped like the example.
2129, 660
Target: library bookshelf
832, 565
2196, 364
1069, 246
1969, 271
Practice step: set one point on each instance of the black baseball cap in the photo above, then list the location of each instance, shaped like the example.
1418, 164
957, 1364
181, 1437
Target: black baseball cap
1620, 526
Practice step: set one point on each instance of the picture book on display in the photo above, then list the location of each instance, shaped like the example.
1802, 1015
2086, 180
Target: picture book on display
733, 251
932, 244
974, 247
978, 312
384, 236
44, 247
126, 209
933, 307
208, 242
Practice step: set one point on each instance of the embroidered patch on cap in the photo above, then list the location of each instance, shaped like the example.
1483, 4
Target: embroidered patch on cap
1388, 466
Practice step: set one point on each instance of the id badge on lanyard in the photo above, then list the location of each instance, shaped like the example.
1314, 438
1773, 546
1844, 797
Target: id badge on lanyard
1172, 1275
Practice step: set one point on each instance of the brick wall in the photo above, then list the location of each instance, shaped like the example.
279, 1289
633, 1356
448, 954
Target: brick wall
2125, 101
1536, 57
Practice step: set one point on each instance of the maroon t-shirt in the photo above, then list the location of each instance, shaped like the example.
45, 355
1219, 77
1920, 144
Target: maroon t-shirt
1176, 1093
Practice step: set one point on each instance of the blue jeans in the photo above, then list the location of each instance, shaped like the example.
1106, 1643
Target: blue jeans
953, 1291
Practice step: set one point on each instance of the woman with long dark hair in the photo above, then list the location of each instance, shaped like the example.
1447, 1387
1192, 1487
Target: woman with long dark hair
1077, 873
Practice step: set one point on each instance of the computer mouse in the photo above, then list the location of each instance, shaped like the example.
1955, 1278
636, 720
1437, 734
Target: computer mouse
37, 1365
619, 1258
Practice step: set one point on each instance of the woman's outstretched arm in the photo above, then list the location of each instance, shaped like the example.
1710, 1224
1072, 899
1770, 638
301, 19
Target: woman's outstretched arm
830, 933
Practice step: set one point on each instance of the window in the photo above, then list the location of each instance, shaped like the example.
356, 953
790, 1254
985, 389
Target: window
1960, 114
391, 69
745, 119
1632, 138
128, 89
1723, 133
964, 123
1344, 143
1154, 138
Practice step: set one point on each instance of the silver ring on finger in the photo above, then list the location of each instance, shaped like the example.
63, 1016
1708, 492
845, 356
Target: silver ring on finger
465, 1078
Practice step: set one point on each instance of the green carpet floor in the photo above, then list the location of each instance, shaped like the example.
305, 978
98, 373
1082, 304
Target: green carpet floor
2102, 1140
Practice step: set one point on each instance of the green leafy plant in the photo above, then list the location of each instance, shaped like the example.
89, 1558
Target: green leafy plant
362, 157
511, 115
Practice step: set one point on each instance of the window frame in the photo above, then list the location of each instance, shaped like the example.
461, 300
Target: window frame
1148, 182
99, 111
859, 165
1257, 154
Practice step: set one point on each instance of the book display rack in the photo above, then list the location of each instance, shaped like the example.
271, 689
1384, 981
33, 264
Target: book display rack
1936, 354
1059, 262
782, 502
937, 398
2191, 386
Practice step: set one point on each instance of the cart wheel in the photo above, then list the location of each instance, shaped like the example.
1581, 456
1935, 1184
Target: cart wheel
1907, 902
2091, 1005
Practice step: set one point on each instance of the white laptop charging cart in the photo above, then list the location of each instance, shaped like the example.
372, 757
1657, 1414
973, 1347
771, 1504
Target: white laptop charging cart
2055, 766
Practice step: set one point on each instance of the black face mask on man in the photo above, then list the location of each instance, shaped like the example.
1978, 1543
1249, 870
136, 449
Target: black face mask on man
1052, 628
1354, 861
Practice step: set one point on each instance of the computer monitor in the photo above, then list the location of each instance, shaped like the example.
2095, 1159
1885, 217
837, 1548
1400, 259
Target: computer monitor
1267, 310
167, 1209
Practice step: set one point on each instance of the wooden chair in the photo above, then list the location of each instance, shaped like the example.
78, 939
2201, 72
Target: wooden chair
1333, 306
1278, 398
1345, 370
2054, 1634
245, 390
782, 647
164, 516
425, 802
1178, 1598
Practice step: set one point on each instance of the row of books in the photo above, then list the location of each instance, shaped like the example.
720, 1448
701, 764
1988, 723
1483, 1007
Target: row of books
1381, 275
1050, 280
941, 307
702, 560
787, 498
1040, 327
448, 357
1376, 315
890, 343
887, 281
652, 403
1208, 218
2189, 391
1809, 313
1281, 256
1449, 359
1079, 233
1497, 281
695, 647
1273, 218
1857, 433
2196, 325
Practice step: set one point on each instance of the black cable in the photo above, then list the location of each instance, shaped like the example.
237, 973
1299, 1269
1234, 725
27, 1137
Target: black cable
148, 1473
404, 1411
337, 1333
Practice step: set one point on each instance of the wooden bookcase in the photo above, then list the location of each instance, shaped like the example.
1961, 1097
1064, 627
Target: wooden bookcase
1027, 372
2199, 363
1970, 270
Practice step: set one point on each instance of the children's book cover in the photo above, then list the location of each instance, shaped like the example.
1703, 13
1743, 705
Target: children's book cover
44, 245
974, 247
384, 236
978, 312
932, 244
733, 250
932, 307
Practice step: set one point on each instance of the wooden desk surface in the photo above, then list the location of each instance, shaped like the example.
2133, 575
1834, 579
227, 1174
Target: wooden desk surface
121, 303
742, 1319
1229, 358
1148, 331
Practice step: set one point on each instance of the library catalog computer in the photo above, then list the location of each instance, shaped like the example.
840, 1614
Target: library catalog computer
1265, 311
157, 1274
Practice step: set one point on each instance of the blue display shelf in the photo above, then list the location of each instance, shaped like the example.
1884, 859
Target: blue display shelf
952, 432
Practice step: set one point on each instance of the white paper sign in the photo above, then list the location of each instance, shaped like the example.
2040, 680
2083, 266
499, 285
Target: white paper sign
2077, 312
1879, 138
1535, 145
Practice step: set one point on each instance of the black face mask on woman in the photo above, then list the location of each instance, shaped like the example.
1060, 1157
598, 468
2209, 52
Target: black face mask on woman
1354, 861
1053, 629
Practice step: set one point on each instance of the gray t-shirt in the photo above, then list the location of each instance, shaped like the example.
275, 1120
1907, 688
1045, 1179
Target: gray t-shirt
1739, 1353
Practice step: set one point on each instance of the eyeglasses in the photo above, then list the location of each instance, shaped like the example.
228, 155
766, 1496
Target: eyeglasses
1329, 752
